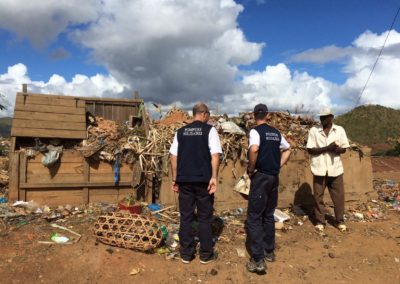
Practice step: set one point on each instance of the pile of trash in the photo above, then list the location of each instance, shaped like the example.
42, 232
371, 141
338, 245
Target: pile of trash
388, 192
376, 209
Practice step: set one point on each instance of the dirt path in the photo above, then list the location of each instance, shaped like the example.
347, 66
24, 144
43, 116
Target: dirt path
368, 253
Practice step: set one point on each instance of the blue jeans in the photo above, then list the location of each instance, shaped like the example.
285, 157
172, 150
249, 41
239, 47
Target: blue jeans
263, 199
193, 195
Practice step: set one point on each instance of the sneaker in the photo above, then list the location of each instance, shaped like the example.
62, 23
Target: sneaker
320, 228
209, 259
269, 256
256, 266
186, 259
342, 227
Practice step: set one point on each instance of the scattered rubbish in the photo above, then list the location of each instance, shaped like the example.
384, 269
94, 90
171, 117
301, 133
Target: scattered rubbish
51, 156
68, 230
397, 260
279, 216
230, 127
110, 250
3, 200
172, 256
279, 225
59, 239
331, 255
243, 185
134, 271
62, 239
359, 216
29, 205
130, 204
172, 241
154, 207
241, 252
163, 250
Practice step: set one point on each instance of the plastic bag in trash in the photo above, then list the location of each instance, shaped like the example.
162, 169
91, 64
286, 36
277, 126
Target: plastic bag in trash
243, 185
50, 158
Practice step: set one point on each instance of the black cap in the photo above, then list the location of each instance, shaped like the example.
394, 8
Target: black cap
261, 108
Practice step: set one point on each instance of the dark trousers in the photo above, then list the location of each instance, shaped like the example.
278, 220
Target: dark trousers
193, 195
263, 199
336, 191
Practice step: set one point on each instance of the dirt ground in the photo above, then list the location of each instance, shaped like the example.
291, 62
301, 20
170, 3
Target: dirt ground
383, 164
368, 253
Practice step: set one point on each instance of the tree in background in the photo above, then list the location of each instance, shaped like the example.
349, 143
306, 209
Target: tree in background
2, 107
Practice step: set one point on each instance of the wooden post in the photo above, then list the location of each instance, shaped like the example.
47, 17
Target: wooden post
13, 144
22, 175
148, 195
25, 88
145, 121
13, 185
86, 178
136, 95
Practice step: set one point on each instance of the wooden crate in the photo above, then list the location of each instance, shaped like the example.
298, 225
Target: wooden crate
72, 180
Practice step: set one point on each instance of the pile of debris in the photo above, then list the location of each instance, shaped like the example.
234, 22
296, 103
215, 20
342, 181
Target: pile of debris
388, 192
375, 209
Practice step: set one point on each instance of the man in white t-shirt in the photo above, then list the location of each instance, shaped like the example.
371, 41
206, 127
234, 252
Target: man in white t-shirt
195, 161
268, 152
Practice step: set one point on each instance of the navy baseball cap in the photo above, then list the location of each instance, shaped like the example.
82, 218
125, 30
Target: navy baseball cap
261, 108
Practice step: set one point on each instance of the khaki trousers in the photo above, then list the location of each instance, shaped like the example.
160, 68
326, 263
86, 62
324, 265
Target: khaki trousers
336, 191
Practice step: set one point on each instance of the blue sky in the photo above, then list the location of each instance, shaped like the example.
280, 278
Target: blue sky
289, 27
226, 53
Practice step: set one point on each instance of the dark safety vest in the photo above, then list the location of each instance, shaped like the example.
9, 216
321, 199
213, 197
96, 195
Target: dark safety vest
269, 153
194, 157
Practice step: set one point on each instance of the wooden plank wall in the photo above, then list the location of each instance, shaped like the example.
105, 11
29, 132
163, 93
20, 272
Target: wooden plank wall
73, 180
118, 112
49, 116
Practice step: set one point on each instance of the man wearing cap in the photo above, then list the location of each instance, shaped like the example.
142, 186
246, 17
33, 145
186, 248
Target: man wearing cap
325, 144
268, 152
195, 162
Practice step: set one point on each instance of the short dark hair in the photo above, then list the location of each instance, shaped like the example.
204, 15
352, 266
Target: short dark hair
260, 115
200, 108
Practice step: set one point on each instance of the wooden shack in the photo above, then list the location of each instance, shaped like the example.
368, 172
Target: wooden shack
74, 179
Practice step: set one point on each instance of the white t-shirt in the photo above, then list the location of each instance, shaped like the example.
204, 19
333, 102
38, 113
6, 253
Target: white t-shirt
213, 143
254, 139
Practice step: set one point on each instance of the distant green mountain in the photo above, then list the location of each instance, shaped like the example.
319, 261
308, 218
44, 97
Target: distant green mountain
371, 124
5, 126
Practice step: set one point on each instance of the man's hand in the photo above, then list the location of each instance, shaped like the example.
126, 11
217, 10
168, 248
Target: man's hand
340, 150
251, 173
212, 186
332, 147
175, 187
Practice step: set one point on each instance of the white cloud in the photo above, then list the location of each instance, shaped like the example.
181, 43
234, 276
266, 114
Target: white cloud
42, 21
323, 55
358, 60
277, 87
180, 51
80, 85
191, 51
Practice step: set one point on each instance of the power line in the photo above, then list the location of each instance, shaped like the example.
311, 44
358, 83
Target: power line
377, 58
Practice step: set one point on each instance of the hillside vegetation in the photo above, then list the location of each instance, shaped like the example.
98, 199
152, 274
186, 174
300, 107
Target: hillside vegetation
5, 126
371, 124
